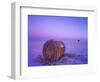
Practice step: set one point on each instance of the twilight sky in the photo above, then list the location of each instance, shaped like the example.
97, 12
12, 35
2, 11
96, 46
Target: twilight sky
57, 27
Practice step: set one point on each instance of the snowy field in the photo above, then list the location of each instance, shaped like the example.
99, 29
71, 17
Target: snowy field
76, 52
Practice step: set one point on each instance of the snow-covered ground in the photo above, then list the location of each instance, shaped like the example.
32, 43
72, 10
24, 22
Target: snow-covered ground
76, 53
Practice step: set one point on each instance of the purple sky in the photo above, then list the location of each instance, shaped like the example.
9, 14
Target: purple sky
57, 27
